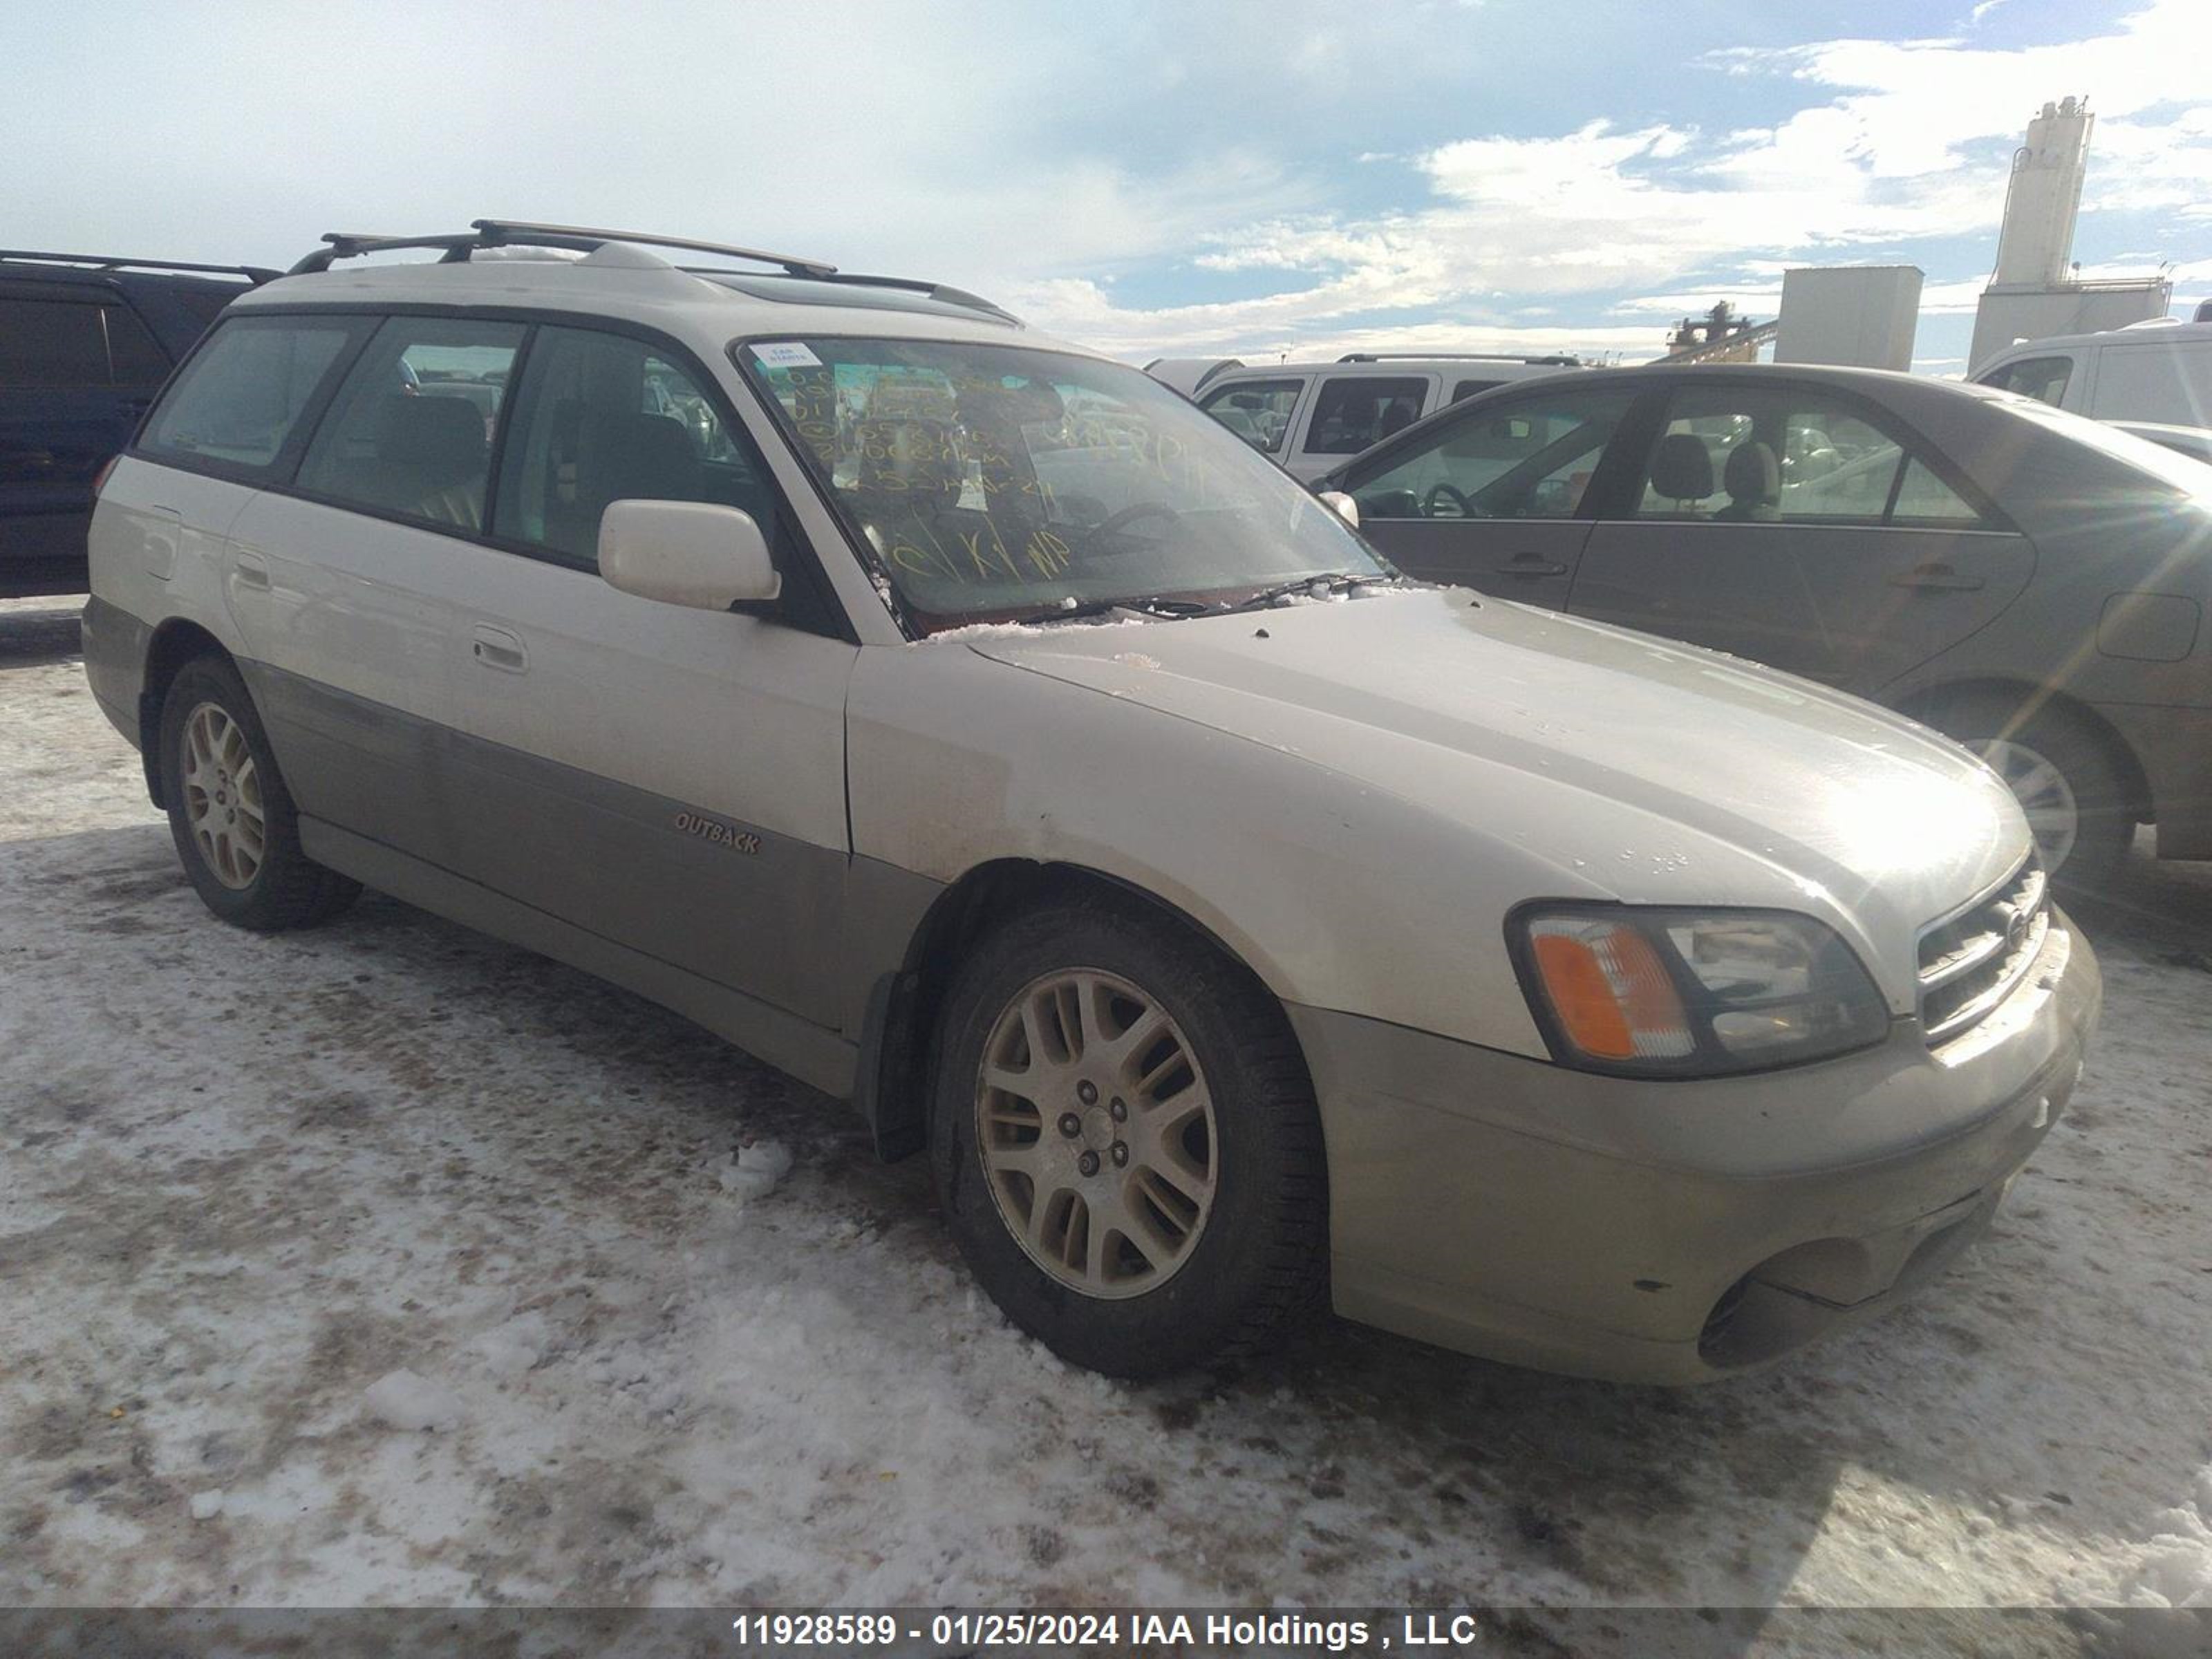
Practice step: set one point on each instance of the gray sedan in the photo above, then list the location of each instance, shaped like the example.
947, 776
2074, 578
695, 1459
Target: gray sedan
2031, 583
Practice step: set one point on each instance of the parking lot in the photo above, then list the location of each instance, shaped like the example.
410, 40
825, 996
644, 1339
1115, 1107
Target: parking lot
386, 1263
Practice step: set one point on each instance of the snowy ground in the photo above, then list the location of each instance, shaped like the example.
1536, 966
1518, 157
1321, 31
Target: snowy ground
387, 1264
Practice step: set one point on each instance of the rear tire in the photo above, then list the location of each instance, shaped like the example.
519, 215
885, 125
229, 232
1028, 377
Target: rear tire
1184, 1218
2065, 778
234, 821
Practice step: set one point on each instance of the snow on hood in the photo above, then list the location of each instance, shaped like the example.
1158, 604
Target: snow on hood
1623, 756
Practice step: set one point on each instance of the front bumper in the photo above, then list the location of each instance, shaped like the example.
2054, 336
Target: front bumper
1676, 1231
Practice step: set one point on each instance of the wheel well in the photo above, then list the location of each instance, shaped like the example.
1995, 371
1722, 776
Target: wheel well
175, 643
898, 1048
1927, 707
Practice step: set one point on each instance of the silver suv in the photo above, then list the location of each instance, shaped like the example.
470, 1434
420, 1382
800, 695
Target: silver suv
968, 725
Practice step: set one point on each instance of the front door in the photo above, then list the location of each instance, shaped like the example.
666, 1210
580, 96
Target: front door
669, 779
1795, 525
1493, 497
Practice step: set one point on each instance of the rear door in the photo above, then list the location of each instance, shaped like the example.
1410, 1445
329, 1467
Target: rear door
1797, 525
343, 586
77, 368
1493, 497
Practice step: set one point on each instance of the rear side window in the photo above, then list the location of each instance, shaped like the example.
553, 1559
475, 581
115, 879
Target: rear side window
411, 431
1466, 389
2042, 378
603, 417
239, 402
1258, 411
1353, 412
75, 343
45, 343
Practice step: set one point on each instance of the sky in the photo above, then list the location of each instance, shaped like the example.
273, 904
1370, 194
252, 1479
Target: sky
1230, 178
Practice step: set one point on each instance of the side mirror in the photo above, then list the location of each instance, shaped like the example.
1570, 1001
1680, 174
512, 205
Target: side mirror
1345, 507
691, 553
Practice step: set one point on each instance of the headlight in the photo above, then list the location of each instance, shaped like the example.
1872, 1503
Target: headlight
1644, 992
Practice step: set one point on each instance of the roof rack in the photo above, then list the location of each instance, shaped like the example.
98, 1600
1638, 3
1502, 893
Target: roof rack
1561, 359
457, 246
103, 262
938, 291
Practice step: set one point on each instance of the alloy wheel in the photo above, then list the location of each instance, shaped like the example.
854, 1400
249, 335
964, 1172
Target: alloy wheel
223, 805
1097, 1132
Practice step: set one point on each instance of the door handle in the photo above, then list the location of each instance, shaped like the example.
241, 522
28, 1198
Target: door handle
1531, 564
495, 647
1938, 577
252, 570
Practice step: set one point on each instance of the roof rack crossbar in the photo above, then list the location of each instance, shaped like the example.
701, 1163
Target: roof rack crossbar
104, 262
1458, 356
457, 246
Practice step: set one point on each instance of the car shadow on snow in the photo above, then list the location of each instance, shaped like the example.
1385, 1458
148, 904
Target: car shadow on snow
1402, 1472
34, 631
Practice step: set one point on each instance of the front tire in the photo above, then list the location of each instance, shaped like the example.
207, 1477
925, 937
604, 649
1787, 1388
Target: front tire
234, 821
2066, 781
1126, 1143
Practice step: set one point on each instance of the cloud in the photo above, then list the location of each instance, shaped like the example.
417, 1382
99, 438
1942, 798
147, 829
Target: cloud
1899, 142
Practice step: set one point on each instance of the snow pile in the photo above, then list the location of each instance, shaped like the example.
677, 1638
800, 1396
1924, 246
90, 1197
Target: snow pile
513, 1348
2177, 1567
402, 1399
206, 1505
756, 1172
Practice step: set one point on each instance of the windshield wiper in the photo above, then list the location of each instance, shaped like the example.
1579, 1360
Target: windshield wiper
1319, 584
1151, 604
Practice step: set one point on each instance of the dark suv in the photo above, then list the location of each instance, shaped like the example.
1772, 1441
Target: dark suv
85, 342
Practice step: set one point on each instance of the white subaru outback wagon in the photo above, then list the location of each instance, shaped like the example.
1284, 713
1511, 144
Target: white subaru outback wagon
971, 726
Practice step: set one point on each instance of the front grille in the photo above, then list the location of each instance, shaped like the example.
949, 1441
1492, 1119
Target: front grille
1969, 962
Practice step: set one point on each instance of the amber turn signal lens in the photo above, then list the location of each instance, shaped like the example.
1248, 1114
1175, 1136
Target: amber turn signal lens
1612, 994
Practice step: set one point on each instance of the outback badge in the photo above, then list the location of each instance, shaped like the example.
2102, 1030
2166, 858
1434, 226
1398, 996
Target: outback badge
707, 829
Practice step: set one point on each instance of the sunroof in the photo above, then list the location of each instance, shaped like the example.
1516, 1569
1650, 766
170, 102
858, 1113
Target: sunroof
857, 296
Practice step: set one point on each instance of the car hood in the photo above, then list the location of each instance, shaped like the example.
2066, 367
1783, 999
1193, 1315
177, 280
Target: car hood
1634, 768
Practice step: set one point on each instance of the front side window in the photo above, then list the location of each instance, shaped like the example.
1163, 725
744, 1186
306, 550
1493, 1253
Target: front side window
1745, 454
995, 482
238, 401
2042, 378
1353, 412
1531, 460
411, 430
603, 417
1258, 411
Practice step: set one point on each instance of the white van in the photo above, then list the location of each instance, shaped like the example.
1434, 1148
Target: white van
1312, 416
2160, 371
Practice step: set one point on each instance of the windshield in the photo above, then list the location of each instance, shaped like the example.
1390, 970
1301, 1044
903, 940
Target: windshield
994, 482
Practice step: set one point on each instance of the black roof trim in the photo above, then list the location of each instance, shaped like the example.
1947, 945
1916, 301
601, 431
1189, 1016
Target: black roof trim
105, 262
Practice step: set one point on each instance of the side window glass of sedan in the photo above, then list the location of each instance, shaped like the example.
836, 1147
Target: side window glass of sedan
411, 431
1258, 411
1357, 410
1737, 454
603, 417
1534, 460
